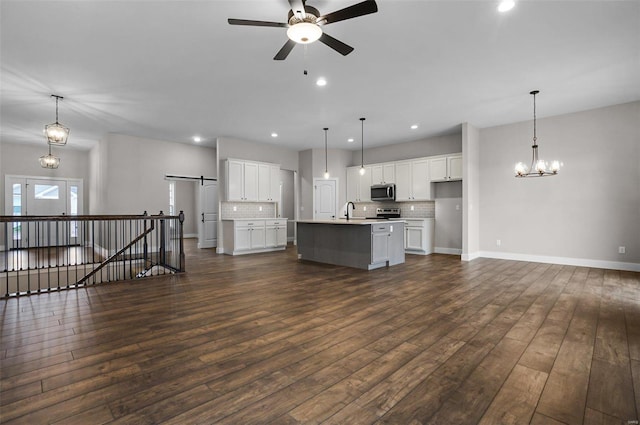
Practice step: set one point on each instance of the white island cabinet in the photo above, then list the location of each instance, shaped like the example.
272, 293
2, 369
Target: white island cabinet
244, 236
364, 244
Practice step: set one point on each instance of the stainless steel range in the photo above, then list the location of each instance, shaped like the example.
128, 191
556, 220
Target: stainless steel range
387, 213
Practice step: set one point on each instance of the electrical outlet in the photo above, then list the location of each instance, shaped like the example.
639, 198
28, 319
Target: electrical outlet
412, 208
260, 208
622, 250
235, 208
498, 242
457, 207
364, 208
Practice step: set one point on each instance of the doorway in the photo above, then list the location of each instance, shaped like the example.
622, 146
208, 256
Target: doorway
43, 196
325, 199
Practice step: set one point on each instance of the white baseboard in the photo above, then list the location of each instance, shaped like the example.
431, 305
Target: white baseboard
451, 251
190, 235
470, 257
567, 261
219, 250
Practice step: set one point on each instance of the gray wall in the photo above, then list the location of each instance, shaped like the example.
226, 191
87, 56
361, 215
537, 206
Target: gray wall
132, 169
440, 145
470, 192
305, 161
288, 201
22, 159
186, 197
586, 212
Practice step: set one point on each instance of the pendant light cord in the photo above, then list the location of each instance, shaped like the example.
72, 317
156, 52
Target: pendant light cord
362, 143
326, 161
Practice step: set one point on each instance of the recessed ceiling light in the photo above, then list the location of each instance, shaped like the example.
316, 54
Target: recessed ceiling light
197, 139
274, 134
506, 5
321, 82
350, 140
413, 127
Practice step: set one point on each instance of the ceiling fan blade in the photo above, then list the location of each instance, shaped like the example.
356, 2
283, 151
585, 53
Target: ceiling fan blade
257, 23
335, 44
284, 52
364, 8
297, 7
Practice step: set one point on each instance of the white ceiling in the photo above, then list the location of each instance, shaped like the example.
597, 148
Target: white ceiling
170, 70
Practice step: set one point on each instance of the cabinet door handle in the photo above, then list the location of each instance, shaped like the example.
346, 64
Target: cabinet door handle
203, 217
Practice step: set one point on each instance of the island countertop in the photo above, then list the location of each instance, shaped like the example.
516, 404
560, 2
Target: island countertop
353, 221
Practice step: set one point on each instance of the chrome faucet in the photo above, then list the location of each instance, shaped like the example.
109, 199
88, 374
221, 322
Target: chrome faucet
353, 205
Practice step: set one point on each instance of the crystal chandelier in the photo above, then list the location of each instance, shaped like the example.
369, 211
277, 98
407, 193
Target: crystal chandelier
56, 133
539, 167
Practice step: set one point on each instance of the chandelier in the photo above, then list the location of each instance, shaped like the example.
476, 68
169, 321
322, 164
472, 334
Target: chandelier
56, 133
539, 167
49, 161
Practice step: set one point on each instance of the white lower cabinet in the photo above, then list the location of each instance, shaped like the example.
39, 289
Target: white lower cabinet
418, 235
252, 236
276, 233
380, 234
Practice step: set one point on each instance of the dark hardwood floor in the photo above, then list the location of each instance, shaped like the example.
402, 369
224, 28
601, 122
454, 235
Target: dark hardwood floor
265, 338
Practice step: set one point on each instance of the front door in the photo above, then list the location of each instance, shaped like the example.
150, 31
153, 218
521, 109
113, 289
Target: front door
324, 199
35, 196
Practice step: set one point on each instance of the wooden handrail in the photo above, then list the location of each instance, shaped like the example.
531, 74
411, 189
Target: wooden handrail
64, 217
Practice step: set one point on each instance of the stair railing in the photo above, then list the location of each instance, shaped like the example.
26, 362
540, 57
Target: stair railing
46, 253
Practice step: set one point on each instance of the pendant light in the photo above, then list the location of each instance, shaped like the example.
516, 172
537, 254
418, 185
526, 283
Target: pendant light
326, 161
362, 169
56, 133
49, 161
538, 168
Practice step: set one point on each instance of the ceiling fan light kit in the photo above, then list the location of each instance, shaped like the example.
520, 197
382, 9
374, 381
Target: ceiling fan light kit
305, 25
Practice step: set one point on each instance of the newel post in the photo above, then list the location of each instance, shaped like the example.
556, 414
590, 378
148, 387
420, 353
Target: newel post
182, 258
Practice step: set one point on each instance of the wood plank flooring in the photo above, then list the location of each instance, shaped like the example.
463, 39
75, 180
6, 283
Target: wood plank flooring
265, 338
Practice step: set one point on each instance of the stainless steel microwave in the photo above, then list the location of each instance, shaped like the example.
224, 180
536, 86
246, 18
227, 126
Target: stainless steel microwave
383, 192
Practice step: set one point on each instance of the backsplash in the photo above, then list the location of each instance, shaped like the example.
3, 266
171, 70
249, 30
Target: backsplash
425, 209
247, 210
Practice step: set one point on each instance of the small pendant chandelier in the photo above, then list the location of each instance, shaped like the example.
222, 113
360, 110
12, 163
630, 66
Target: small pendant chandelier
56, 133
49, 161
326, 160
538, 168
362, 169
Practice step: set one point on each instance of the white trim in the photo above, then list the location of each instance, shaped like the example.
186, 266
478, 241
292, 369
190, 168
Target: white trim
568, 261
470, 257
451, 251
190, 235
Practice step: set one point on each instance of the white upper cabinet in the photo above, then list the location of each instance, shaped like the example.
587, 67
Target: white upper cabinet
251, 181
268, 182
412, 180
383, 173
358, 186
446, 168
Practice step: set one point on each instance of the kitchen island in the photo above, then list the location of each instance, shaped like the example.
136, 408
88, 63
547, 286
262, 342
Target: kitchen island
363, 244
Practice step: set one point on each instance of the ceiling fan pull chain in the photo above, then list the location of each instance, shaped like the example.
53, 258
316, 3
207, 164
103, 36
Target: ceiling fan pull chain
305, 59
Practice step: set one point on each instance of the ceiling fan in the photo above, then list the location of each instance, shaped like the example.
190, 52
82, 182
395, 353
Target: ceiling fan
304, 25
